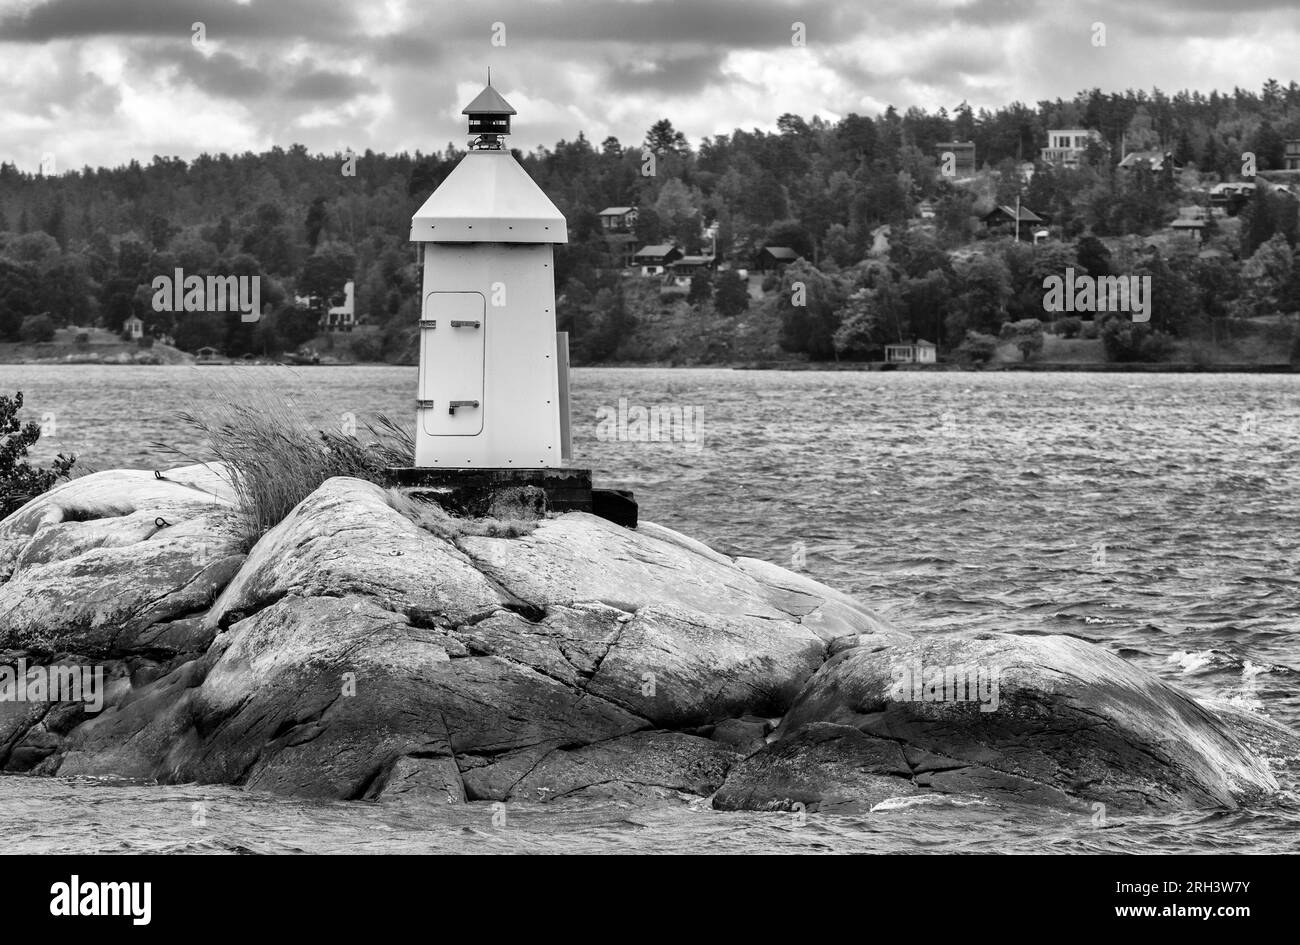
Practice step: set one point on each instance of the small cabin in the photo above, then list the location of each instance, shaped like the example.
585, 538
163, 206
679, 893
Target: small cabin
685, 268
207, 353
133, 328
655, 260
920, 352
1004, 217
1230, 191
775, 257
618, 219
1190, 226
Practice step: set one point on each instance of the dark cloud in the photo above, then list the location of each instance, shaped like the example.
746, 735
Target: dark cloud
220, 74
749, 24
225, 75
314, 84
72, 19
406, 49
667, 71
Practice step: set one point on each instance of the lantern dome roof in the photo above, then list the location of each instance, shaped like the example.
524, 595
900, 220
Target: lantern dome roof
488, 102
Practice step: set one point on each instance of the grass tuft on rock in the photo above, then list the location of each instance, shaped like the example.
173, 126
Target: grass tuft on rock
434, 519
273, 456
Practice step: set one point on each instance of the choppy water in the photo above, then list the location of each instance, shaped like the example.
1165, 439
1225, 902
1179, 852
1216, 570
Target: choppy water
1154, 514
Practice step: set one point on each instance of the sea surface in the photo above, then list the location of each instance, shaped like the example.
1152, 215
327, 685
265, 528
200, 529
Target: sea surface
1157, 515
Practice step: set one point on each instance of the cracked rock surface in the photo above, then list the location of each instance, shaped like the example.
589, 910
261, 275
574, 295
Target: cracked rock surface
352, 654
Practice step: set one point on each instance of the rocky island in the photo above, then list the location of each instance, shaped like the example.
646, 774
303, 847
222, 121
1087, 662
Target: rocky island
353, 654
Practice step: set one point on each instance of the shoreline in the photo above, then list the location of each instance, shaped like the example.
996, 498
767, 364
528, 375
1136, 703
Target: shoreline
1095, 367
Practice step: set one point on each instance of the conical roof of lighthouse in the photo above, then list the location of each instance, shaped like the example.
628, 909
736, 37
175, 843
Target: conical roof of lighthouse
488, 197
489, 102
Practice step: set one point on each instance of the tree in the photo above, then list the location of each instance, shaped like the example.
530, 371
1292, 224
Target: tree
977, 348
1093, 255
663, 138
1027, 335
326, 272
865, 321
678, 214
1124, 341
315, 222
1267, 275
981, 303
808, 303
790, 233
36, 329
730, 294
649, 228
19, 288
836, 246
19, 480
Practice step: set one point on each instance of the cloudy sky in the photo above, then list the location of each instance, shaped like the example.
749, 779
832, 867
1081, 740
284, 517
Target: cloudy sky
103, 81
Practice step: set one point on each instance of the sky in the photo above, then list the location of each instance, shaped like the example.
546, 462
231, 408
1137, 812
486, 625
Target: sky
99, 82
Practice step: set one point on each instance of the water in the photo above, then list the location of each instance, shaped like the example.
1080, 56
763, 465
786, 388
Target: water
1158, 515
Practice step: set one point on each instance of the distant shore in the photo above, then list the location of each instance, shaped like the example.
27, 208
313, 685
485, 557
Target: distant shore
1103, 367
169, 358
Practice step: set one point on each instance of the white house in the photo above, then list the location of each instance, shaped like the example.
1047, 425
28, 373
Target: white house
341, 317
922, 352
1065, 146
133, 328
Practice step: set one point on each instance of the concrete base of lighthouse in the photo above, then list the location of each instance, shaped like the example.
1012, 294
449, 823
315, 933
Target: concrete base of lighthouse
510, 492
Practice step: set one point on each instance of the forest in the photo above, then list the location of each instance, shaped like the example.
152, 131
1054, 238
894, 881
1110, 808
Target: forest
80, 248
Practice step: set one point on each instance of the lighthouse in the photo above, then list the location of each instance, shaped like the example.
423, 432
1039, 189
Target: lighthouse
490, 388
492, 400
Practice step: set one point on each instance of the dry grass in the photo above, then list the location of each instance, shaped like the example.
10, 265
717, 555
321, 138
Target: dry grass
435, 520
273, 456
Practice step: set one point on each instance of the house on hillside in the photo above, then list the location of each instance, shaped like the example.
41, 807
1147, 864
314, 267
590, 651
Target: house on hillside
1004, 218
770, 258
1229, 192
1151, 160
683, 269
618, 219
920, 352
341, 317
1291, 160
618, 226
962, 161
133, 328
1065, 146
1191, 222
655, 260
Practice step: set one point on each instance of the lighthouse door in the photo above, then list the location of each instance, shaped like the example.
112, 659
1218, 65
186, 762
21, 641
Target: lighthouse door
452, 334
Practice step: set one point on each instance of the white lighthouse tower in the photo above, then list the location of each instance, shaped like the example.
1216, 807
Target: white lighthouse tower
489, 392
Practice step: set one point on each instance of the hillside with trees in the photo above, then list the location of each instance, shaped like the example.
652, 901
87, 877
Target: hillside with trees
81, 248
